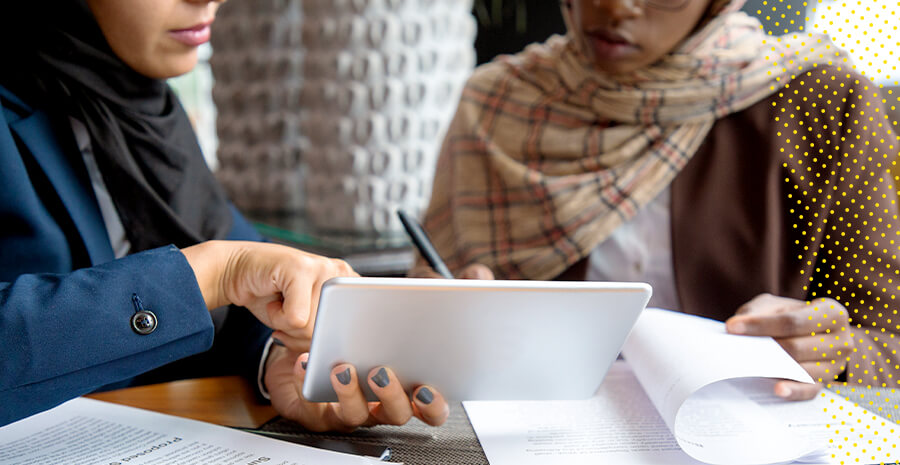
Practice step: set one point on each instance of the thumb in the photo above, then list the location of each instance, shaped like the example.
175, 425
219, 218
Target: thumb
764, 304
300, 368
297, 342
737, 324
477, 271
792, 390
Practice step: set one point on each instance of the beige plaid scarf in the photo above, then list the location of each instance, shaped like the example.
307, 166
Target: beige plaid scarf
547, 157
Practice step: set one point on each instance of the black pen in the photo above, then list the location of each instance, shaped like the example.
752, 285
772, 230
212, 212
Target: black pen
421, 241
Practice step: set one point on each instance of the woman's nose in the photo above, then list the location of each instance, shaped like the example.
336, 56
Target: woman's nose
617, 9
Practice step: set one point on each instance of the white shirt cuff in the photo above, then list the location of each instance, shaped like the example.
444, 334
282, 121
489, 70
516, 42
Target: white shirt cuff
262, 369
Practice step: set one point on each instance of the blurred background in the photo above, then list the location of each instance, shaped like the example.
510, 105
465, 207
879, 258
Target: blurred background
504, 26
322, 117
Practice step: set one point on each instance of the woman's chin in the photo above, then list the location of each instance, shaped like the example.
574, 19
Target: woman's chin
168, 66
617, 67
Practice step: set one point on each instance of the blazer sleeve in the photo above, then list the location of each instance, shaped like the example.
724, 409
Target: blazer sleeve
65, 335
239, 337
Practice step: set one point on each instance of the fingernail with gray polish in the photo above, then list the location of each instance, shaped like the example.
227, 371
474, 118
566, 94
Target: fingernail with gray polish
425, 395
381, 378
303, 364
344, 377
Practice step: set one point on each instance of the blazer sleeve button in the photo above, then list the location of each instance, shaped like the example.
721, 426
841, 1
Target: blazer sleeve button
143, 322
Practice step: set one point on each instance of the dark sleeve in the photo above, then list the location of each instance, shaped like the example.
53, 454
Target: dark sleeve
67, 335
846, 206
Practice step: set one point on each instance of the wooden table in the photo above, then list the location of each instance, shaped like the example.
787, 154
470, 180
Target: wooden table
226, 400
230, 401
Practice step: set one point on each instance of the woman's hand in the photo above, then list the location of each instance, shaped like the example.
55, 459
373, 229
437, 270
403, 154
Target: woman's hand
816, 334
285, 371
474, 271
280, 285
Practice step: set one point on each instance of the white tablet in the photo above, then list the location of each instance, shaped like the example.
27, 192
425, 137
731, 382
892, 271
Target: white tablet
474, 340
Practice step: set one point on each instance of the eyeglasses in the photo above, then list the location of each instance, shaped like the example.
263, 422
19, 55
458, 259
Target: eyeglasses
670, 5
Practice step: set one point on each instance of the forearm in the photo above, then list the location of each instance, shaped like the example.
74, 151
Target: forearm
210, 261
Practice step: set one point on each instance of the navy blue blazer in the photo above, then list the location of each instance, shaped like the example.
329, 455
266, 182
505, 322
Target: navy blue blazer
66, 302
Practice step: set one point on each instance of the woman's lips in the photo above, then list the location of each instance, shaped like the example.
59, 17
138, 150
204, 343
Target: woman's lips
610, 46
193, 36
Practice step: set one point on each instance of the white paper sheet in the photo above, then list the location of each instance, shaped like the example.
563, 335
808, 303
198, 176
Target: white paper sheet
712, 389
674, 355
620, 426
87, 431
683, 361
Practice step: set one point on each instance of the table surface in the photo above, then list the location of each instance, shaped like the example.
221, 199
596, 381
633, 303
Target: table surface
230, 401
227, 400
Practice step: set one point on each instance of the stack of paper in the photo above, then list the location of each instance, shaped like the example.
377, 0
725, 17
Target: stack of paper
689, 393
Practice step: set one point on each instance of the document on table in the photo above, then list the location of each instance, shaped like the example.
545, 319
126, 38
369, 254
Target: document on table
87, 431
689, 393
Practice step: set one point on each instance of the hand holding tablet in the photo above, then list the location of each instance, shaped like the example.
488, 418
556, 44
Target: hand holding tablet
473, 340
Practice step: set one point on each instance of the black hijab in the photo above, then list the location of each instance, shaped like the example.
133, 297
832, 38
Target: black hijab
55, 57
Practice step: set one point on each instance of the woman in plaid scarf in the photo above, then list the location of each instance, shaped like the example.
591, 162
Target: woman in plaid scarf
743, 175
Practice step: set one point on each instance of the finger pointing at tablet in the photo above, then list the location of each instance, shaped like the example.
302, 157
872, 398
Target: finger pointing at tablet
279, 285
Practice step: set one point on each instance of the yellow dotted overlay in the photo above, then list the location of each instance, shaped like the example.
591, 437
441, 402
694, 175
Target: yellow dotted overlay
841, 150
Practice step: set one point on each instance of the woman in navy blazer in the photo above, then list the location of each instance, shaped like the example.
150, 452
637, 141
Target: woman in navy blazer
117, 243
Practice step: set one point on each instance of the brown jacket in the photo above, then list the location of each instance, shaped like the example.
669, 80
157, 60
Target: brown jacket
801, 207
